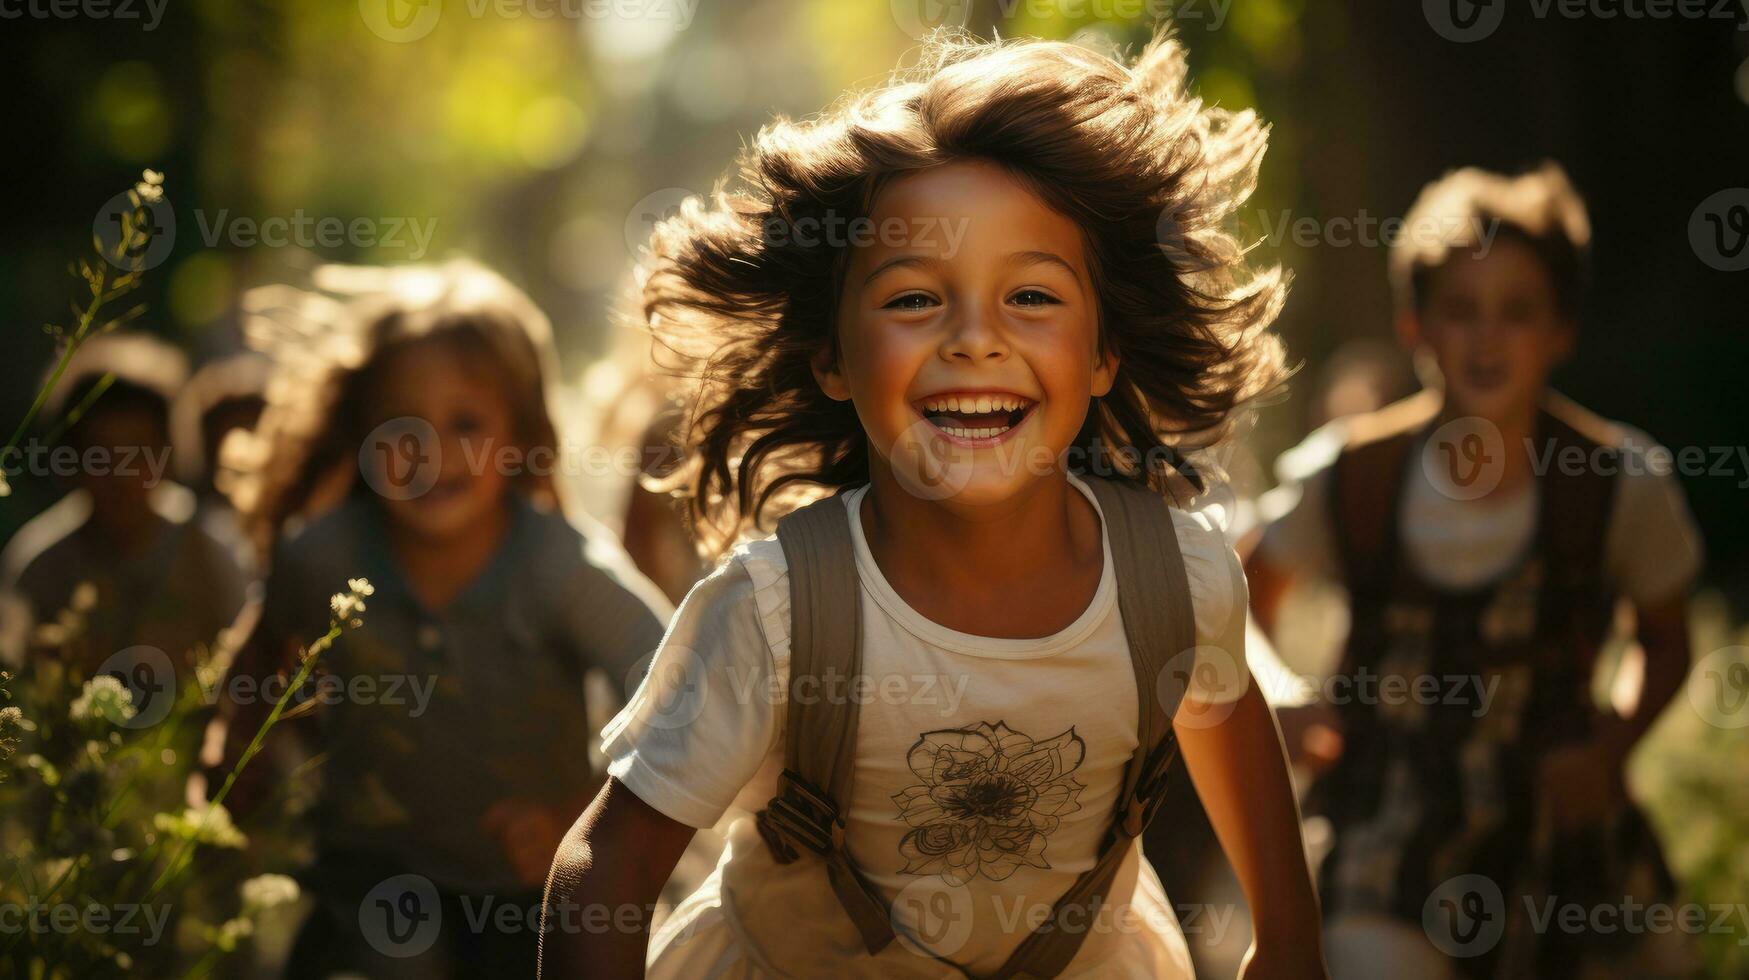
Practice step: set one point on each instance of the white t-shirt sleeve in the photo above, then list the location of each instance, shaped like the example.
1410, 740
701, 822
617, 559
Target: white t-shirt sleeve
1653, 550
1299, 536
1219, 598
703, 719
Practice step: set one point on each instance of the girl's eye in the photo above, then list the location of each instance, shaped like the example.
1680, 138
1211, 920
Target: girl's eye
1032, 297
910, 301
465, 422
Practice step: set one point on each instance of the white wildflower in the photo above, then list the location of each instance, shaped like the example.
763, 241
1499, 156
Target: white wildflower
103, 697
349, 604
268, 891
150, 187
210, 824
11, 729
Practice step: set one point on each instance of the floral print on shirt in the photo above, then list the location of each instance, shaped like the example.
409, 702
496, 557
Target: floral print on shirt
988, 800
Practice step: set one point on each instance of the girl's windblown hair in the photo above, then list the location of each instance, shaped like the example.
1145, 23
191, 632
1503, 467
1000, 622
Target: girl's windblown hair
1147, 171
329, 346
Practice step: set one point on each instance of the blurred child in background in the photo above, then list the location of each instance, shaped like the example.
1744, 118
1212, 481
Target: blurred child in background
432, 384
633, 405
160, 580
1481, 561
227, 394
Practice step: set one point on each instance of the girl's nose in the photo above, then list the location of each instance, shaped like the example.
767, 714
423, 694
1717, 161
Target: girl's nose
1490, 332
974, 336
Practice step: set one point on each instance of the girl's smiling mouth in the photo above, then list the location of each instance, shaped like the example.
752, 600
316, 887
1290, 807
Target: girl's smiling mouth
975, 418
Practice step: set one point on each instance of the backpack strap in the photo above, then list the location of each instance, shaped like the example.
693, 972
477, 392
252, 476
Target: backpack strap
819, 752
820, 741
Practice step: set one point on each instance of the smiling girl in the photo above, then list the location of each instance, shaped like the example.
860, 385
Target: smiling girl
404, 441
994, 408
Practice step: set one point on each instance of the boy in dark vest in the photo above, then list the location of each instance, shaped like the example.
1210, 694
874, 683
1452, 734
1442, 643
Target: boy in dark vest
1485, 530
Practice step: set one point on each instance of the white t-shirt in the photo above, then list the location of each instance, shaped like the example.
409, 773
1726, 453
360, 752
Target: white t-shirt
987, 771
1652, 550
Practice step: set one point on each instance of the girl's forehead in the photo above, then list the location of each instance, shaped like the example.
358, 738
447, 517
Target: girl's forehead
967, 186
965, 204
439, 367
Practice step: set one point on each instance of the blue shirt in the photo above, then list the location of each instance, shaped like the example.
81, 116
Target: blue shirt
429, 717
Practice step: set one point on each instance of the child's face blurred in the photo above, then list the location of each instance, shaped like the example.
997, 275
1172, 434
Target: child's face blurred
135, 443
970, 339
471, 421
1493, 325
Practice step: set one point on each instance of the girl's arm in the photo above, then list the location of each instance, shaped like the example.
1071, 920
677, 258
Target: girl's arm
1234, 755
606, 878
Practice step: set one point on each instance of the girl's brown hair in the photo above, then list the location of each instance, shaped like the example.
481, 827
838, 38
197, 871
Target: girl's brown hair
330, 346
1148, 172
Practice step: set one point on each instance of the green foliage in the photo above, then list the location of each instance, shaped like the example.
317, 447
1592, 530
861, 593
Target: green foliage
100, 834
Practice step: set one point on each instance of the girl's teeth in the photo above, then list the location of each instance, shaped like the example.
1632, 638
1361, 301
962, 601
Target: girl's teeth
981, 403
982, 433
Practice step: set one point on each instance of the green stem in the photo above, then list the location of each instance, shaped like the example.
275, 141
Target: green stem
42, 395
99, 284
177, 862
78, 411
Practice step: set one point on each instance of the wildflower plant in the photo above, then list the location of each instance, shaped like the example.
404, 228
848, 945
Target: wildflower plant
94, 815
95, 812
107, 279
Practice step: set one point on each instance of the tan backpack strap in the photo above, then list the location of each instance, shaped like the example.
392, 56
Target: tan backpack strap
820, 720
1153, 594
